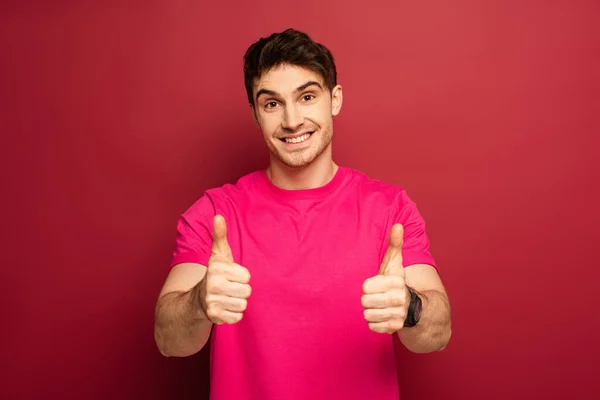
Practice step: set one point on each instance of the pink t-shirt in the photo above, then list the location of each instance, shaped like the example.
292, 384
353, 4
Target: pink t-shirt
303, 335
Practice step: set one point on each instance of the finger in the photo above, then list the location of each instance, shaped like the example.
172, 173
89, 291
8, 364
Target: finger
375, 284
393, 253
382, 300
383, 314
382, 283
227, 317
239, 290
392, 260
389, 327
237, 273
233, 304
220, 247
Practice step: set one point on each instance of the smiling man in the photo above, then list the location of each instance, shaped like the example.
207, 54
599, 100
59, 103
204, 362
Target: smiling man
302, 272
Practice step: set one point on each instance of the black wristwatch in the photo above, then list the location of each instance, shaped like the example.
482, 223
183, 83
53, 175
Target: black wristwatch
414, 310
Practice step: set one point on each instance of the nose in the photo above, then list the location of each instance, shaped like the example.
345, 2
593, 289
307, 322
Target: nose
292, 118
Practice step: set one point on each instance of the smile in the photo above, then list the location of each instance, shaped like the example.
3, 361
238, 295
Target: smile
298, 139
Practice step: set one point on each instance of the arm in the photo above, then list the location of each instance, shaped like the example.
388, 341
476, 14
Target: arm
433, 331
181, 328
194, 297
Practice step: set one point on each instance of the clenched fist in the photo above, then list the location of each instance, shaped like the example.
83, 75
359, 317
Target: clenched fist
225, 286
386, 298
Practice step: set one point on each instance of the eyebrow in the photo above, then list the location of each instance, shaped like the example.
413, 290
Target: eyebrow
298, 89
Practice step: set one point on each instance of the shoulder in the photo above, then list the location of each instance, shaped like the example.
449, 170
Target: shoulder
242, 186
214, 198
376, 189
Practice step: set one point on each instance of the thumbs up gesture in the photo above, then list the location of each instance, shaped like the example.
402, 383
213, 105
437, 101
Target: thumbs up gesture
386, 298
223, 297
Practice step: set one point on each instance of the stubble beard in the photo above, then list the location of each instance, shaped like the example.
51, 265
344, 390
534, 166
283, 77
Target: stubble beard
297, 159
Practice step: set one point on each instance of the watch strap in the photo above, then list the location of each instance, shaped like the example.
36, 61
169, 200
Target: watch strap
414, 309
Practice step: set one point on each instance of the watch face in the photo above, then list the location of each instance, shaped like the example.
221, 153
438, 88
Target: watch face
418, 308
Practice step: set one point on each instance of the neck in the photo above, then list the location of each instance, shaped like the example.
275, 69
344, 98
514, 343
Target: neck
316, 174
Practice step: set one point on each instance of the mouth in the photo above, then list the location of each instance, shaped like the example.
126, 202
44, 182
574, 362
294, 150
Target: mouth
297, 139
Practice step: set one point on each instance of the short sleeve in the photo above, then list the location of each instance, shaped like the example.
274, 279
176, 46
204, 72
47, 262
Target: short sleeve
415, 248
193, 242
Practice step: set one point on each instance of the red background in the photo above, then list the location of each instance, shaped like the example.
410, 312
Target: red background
116, 116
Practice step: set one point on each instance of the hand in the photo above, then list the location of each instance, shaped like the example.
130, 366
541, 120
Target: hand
225, 287
386, 298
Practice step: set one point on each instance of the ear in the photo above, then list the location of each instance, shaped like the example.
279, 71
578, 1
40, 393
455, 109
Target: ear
336, 100
253, 113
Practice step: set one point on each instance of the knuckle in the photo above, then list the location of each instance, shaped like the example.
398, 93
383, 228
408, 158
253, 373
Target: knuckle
390, 327
370, 284
242, 272
210, 276
237, 318
396, 281
401, 313
377, 327
243, 304
365, 286
214, 268
212, 313
214, 286
390, 299
395, 325
210, 300
398, 301
220, 268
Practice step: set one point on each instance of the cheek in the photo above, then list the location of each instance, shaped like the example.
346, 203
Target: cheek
320, 115
269, 123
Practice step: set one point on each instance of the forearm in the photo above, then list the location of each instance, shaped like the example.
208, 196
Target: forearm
433, 331
181, 327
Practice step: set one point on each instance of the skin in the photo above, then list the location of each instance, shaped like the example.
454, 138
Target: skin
288, 102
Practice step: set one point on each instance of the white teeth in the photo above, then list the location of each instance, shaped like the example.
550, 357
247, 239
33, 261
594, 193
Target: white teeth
299, 139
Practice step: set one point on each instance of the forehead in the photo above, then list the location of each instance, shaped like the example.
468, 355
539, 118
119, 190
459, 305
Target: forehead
285, 78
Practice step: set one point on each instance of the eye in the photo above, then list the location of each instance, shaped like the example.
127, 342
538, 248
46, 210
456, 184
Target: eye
270, 105
308, 97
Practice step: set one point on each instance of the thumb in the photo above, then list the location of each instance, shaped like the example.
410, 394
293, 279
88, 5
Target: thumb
220, 247
392, 261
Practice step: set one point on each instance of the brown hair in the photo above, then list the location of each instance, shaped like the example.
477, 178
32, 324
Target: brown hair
288, 47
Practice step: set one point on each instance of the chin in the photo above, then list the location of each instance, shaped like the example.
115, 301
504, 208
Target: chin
298, 165
294, 162
302, 158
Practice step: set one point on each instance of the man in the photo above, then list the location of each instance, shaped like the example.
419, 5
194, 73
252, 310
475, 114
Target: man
305, 270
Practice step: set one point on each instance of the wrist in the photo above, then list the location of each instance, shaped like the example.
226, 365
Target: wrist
198, 299
415, 307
